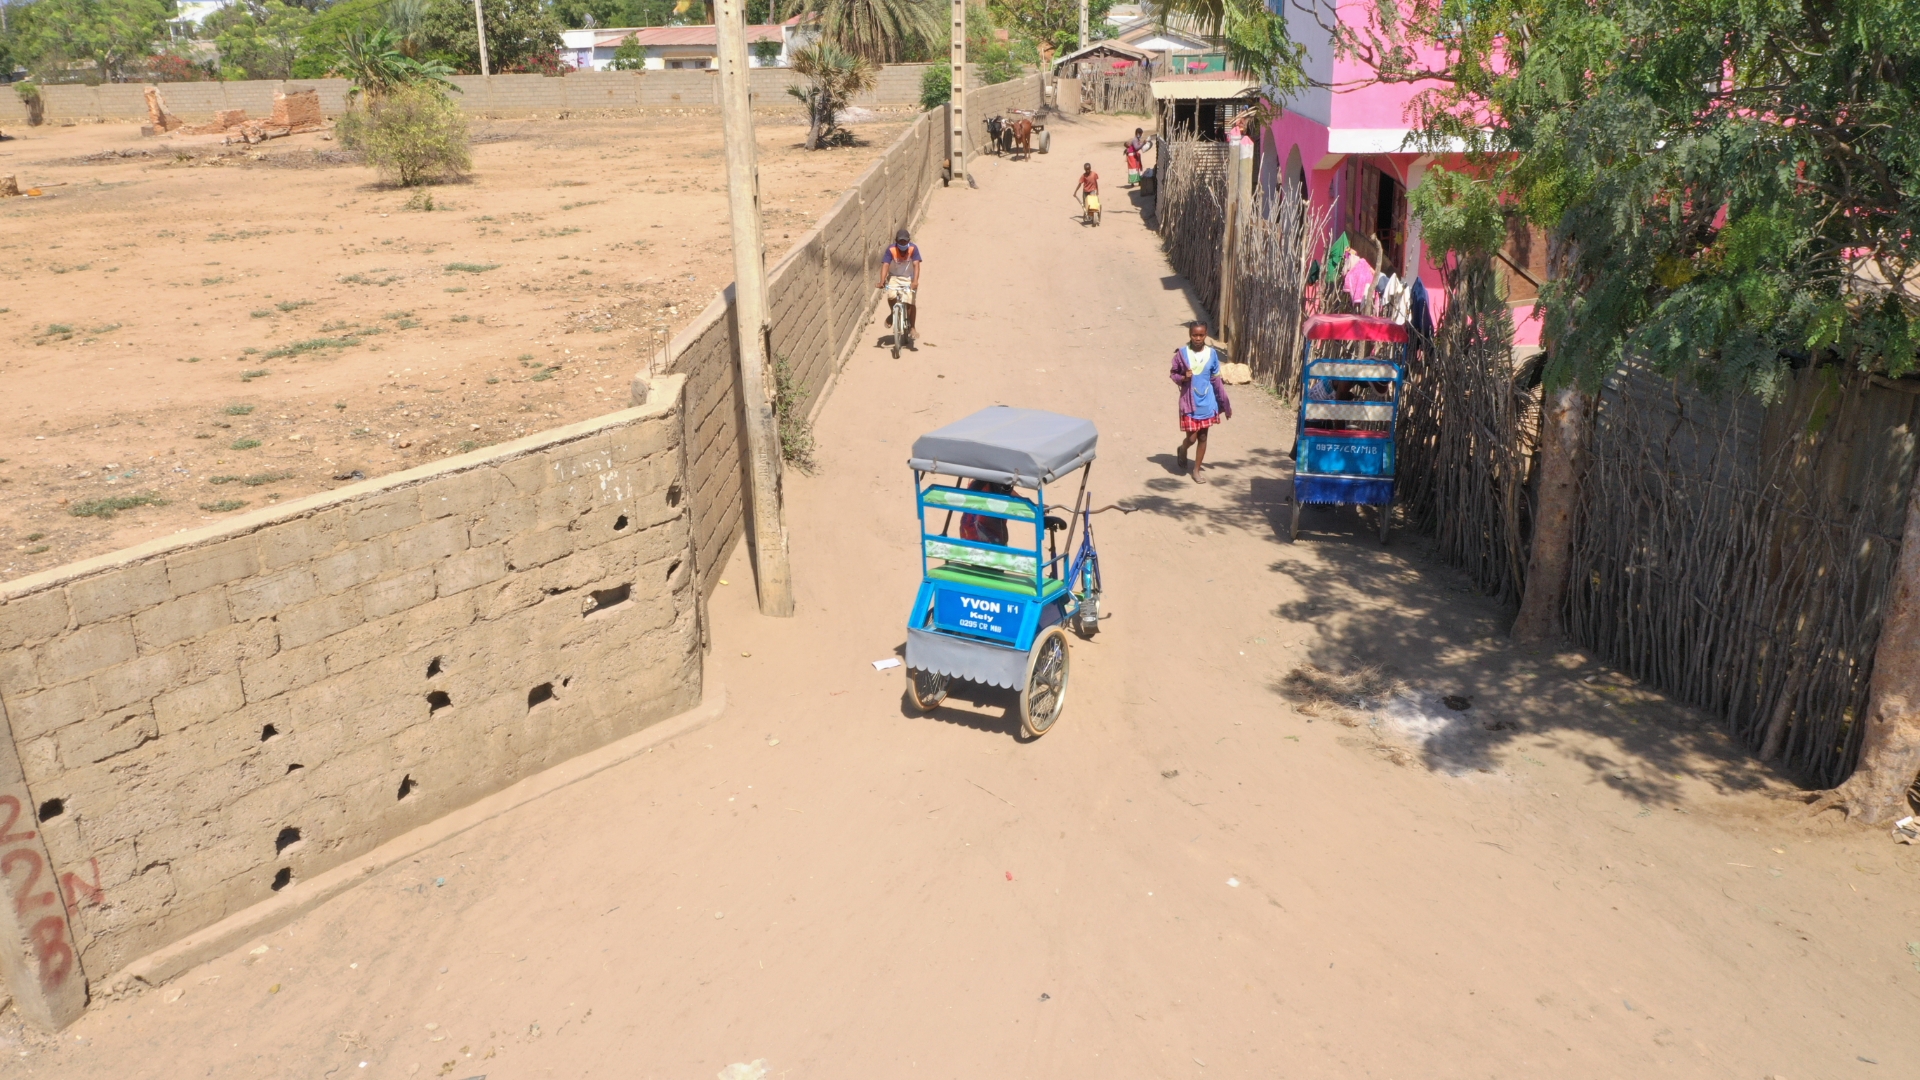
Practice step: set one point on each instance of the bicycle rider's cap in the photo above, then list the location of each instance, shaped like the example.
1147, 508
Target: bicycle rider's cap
901, 237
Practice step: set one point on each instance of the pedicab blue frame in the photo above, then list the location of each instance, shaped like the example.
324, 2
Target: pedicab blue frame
1342, 466
980, 606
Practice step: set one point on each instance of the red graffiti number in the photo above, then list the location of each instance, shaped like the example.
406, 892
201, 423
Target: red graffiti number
49, 937
7, 835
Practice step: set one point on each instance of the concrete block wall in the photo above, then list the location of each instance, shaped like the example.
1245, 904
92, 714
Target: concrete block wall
898, 86
1027, 93
822, 298
200, 720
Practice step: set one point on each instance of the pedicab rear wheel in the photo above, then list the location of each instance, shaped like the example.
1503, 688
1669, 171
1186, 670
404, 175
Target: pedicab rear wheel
926, 689
1044, 694
1293, 521
1386, 520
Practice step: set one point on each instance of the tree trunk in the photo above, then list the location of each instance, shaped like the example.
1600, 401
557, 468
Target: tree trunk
1876, 793
1563, 431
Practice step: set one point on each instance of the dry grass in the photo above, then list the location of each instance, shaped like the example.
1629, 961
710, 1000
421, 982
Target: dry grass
1335, 695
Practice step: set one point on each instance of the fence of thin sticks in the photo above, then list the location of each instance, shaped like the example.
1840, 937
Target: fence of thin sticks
1740, 557
1467, 433
1272, 255
1191, 211
1104, 90
1735, 555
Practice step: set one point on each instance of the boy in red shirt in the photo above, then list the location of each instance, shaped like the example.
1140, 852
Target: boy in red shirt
1087, 190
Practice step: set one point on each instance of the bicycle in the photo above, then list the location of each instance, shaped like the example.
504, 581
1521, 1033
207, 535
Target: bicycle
900, 296
1083, 571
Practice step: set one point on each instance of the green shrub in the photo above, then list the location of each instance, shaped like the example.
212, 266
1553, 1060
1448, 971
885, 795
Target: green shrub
105, 508
415, 135
936, 86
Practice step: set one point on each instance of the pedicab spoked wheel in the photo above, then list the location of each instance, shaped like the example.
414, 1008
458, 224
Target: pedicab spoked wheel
1386, 520
925, 689
1045, 692
1293, 523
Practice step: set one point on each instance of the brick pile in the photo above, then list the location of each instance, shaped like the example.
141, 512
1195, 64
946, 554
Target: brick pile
298, 111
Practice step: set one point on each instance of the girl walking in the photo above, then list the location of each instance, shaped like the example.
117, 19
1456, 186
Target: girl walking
1203, 396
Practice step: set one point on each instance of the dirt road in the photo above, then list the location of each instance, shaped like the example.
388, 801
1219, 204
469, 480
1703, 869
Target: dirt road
1187, 878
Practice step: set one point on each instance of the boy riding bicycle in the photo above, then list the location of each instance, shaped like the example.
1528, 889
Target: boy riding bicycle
900, 274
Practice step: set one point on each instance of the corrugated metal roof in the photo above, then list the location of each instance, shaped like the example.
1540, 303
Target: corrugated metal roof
682, 35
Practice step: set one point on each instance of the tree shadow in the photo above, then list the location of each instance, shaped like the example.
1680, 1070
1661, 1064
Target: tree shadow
1400, 608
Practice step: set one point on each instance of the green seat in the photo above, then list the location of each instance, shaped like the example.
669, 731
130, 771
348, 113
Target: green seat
1000, 580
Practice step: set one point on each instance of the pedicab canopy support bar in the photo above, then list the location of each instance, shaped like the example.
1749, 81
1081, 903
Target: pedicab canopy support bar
1005, 445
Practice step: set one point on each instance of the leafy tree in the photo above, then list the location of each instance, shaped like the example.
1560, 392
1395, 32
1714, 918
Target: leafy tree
414, 133
767, 52
373, 62
328, 32
1254, 36
259, 40
833, 76
1728, 189
1053, 21
114, 37
880, 31
629, 55
522, 35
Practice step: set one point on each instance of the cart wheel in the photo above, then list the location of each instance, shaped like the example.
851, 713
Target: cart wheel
1293, 525
925, 689
1045, 693
1386, 521
1087, 618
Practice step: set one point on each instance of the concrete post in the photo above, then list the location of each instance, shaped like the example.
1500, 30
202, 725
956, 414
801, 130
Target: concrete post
751, 317
37, 954
957, 114
480, 27
1083, 23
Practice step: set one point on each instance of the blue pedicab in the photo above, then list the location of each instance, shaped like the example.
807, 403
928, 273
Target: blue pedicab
1349, 416
992, 606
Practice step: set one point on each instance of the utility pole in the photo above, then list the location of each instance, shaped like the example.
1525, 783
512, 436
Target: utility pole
771, 572
480, 27
1083, 23
957, 96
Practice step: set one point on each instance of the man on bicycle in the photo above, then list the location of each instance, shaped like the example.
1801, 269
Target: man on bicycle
900, 274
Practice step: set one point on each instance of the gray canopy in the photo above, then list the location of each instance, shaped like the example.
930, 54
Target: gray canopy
1005, 445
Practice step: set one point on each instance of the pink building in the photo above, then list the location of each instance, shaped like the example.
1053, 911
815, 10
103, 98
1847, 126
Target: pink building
1345, 140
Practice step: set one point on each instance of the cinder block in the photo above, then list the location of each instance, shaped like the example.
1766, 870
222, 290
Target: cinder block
358, 564
317, 619
438, 618
513, 594
425, 544
383, 514
538, 548
180, 709
287, 670
464, 494
398, 593
177, 620
139, 681
646, 438
301, 540
50, 710
16, 671
525, 475
85, 651
216, 564
270, 595
502, 521
230, 646
40, 759
364, 643
118, 592
471, 569
104, 736
35, 617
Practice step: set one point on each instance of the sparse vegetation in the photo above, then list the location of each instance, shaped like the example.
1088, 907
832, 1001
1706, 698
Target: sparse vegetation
237, 410
223, 506
471, 268
796, 431
107, 507
293, 305
243, 444
298, 348
256, 373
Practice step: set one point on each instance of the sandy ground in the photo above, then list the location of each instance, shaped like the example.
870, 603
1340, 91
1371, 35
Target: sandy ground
219, 327
1186, 878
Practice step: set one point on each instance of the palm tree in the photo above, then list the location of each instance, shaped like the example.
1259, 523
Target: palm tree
373, 62
880, 31
833, 75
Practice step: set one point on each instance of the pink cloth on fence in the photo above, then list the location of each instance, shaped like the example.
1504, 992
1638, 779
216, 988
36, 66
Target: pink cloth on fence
1359, 277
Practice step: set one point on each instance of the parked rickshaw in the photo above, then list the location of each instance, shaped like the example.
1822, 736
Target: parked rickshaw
993, 606
1349, 416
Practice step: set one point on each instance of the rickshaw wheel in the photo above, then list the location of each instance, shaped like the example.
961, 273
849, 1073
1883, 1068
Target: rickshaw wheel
925, 689
1293, 525
1045, 692
1386, 520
